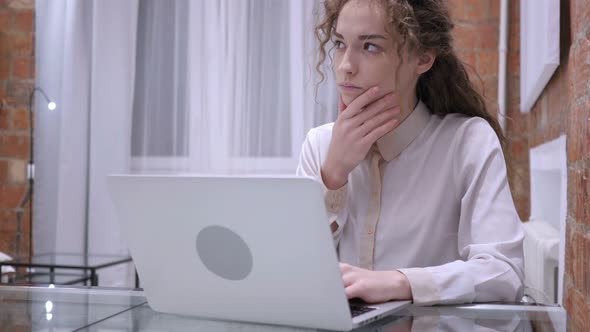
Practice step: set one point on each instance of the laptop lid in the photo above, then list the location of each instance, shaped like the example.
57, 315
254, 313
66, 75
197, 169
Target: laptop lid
253, 249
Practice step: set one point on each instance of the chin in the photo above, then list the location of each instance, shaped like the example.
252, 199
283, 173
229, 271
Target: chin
347, 100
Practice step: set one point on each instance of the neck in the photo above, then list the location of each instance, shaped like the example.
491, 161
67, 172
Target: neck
408, 106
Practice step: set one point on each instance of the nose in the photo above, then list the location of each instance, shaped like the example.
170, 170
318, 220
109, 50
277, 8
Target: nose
347, 64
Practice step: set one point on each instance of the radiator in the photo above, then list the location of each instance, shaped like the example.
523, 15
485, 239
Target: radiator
541, 258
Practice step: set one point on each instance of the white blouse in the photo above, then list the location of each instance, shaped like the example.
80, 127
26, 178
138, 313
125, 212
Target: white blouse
431, 199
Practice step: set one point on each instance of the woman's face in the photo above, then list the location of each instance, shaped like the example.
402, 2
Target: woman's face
365, 55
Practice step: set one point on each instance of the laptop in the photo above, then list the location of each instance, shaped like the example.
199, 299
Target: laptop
241, 248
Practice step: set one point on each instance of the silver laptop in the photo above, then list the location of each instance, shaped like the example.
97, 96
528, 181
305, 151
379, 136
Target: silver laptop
254, 249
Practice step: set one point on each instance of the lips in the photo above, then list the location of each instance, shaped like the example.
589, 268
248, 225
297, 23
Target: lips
348, 87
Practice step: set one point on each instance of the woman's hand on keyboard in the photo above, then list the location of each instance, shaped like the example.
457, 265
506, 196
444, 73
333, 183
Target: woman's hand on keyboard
375, 286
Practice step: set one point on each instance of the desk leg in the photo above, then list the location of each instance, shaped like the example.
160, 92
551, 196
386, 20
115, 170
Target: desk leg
93, 278
52, 275
136, 279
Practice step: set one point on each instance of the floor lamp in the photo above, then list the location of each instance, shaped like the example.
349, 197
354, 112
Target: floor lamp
31, 166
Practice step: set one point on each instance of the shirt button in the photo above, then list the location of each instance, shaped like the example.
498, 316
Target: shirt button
370, 230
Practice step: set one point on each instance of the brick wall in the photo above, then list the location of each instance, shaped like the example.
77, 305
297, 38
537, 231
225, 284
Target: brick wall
16, 82
474, 19
562, 109
571, 95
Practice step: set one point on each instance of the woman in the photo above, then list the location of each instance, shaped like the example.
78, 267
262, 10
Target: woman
413, 167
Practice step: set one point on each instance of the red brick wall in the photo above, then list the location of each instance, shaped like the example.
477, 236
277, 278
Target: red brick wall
476, 42
562, 109
16, 82
571, 97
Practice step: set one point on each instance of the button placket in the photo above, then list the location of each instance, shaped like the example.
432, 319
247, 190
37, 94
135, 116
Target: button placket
367, 247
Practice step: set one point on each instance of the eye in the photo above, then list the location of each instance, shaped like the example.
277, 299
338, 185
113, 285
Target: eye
338, 44
372, 48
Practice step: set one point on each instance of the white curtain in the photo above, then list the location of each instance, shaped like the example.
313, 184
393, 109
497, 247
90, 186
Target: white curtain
85, 60
250, 93
63, 39
174, 86
161, 86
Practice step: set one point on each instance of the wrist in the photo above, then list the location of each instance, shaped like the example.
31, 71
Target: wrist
402, 290
333, 177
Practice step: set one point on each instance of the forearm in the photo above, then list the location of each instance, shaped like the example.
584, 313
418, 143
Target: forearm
476, 280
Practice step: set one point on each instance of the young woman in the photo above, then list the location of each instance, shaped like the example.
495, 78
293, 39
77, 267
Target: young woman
413, 167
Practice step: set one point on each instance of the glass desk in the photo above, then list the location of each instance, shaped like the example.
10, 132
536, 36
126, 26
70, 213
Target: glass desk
61, 309
100, 309
61, 265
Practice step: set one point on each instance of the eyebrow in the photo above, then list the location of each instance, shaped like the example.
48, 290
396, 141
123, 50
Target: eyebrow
361, 37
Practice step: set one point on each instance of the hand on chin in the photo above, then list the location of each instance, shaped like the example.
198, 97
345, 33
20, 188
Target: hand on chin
346, 99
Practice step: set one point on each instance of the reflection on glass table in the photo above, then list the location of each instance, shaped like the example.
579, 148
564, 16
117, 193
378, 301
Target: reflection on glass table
101, 309
488, 317
447, 318
143, 318
50, 268
61, 309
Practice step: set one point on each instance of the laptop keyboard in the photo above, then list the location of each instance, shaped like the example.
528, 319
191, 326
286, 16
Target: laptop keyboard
357, 310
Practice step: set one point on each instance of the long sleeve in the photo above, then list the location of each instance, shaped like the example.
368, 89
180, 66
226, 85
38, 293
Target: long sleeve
489, 234
310, 165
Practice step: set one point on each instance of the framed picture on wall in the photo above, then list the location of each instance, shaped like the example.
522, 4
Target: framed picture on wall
539, 48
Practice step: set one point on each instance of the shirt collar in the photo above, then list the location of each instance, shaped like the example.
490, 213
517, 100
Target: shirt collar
394, 142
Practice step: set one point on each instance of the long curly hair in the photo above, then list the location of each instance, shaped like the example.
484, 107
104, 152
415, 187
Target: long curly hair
421, 25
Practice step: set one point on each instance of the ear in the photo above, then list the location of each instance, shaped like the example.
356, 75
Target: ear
425, 61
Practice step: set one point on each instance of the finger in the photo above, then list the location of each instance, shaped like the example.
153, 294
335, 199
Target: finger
356, 106
388, 102
355, 290
341, 106
348, 279
378, 132
376, 121
345, 267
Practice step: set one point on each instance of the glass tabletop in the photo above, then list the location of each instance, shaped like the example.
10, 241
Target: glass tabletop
452, 318
69, 260
487, 317
143, 318
60, 309
100, 309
